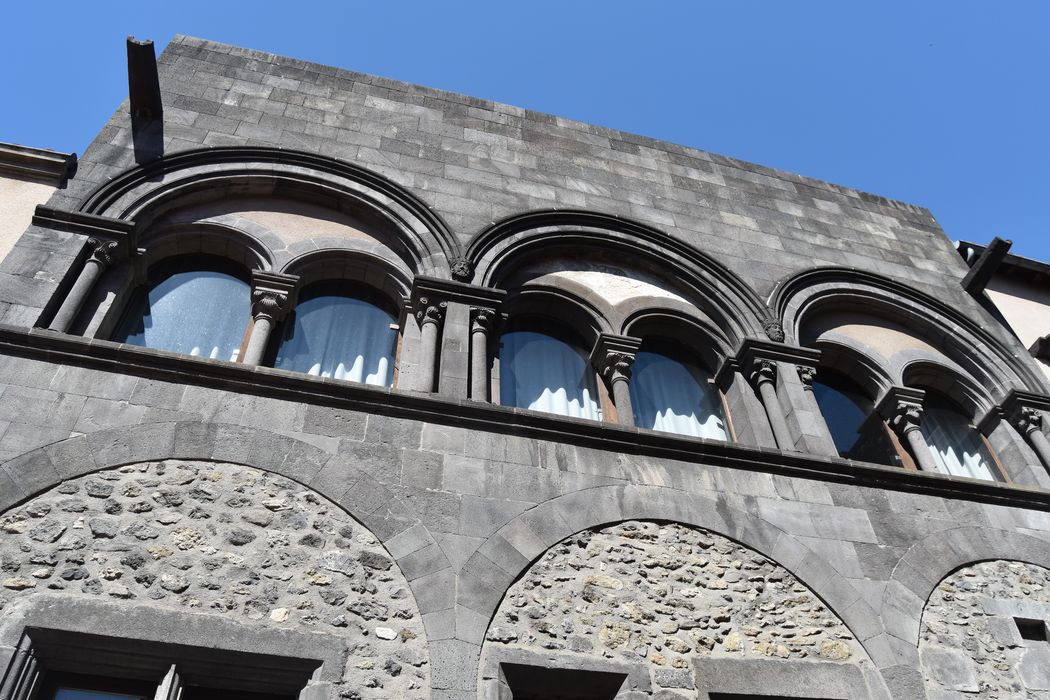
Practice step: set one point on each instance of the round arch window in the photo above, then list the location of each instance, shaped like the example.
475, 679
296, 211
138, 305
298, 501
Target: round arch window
956, 446
197, 305
341, 330
672, 393
543, 367
857, 431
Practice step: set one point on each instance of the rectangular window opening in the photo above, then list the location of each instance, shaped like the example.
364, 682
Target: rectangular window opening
540, 683
1034, 630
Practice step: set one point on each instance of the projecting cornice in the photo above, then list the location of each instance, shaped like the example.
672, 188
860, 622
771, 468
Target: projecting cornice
37, 164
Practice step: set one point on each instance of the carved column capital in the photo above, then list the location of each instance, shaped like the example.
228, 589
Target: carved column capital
1028, 420
430, 310
482, 319
617, 367
906, 416
104, 252
270, 304
806, 375
763, 371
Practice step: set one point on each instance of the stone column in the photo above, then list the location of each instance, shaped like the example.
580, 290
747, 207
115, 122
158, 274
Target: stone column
482, 322
906, 419
103, 254
272, 298
815, 437
764, 376
1029, 422
429, 316
612, 358
617, 373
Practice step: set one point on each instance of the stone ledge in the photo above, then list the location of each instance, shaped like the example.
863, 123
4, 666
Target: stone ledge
38, 164
63, 349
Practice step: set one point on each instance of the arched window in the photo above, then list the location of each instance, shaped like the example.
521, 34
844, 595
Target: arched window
197, 305
957, 448
673, 394
543, 367
341, 330
858, 432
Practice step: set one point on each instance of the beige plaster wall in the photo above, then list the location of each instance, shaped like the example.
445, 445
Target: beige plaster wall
18, 200
1026, 307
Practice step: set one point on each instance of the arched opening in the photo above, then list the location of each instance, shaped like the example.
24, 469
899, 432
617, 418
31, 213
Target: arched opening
193, 304
544, 366
672, 392
343, 330
849, 412
958, 448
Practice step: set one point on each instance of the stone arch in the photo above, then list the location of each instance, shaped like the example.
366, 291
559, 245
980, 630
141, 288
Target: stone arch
143, 192
716, 291
986, 358
970, 639
251, 547
508, 552
653, 597
334, 477
937, 556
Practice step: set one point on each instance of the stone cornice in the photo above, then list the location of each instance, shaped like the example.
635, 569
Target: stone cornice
100, 227
37, 164
456, 292
59, 348
755, 349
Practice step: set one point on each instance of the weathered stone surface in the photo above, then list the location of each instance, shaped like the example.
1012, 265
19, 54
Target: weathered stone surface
188, 550
969, 640
661, 595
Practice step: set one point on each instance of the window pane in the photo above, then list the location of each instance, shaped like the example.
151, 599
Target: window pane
74, 694
675, 397
342, 337
545, 373
849, 414
956, 446
199, 312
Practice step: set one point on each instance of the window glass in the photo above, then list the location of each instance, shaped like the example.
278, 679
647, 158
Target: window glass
956, 445
197, 306
546, 372
673, 395
343, 332
850, 416
75, 694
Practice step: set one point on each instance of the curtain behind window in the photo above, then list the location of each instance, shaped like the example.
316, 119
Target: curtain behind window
544, 373
956, 446
675, 397
200, 312
341, 337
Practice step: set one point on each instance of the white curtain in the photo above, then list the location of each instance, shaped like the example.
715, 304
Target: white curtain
544, 373
200, 312
343, 338
957, 448
672, 397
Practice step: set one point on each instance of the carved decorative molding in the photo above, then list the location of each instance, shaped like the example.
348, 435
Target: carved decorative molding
901, 408
482, 319
273, 295
105, 252
430, 311
806, 374
763, 371
613, 356
1028, 420
774, 329
462, 270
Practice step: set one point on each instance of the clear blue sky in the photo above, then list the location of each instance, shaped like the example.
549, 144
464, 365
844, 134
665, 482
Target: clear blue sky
943, 103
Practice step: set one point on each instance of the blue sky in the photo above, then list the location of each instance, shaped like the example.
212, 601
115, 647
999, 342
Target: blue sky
940, 103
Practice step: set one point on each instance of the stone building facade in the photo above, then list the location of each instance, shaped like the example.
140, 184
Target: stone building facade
218, 520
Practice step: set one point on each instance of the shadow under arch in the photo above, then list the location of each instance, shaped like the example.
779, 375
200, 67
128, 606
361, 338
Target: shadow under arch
717, 291
977, 350
141, 192
508, 553
332, 476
